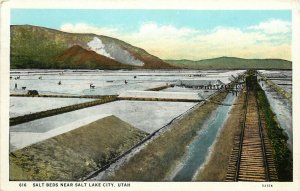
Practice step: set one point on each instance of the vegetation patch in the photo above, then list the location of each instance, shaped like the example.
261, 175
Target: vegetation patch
75, 154
282, 155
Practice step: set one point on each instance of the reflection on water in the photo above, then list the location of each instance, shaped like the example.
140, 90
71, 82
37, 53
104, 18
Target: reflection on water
199, 148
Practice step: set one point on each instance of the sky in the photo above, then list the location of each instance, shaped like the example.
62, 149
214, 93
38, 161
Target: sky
177, 34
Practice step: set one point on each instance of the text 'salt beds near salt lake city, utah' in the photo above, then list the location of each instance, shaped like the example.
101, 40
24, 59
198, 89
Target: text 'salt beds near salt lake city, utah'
150, 95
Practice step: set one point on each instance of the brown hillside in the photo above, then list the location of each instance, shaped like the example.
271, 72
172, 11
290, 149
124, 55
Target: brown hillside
82, 58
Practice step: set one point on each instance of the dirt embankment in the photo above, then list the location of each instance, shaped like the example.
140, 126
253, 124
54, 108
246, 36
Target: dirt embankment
216, 168
160, 156
74, 154
56, 111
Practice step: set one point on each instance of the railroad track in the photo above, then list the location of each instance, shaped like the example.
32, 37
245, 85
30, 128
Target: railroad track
251, 158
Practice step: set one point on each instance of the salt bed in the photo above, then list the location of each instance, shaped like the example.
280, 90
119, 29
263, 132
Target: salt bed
144, 115
20, 140
277, 73
287, 87
114, 86
287, 73
203, 93
106, 82
25, 105
283, 81
224, 76
118, 89
161, 95
97, 73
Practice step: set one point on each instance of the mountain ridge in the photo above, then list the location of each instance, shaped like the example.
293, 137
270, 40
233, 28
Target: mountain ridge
226, 62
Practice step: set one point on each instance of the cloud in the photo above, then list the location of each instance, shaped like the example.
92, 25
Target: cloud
152, 30
171, 42
86, 28
273, 26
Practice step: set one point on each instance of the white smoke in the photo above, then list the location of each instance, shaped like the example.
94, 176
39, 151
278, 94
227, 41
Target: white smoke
97, 46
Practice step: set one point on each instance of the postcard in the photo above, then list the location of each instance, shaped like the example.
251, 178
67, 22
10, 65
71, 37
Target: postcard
145, 95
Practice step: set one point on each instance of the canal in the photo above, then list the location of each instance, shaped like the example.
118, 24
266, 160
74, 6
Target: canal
199, 148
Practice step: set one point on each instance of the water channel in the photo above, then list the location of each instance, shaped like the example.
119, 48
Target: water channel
199, 148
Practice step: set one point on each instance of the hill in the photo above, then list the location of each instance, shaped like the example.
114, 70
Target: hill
233, 63
39, 47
